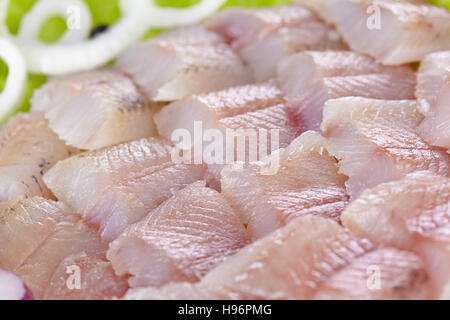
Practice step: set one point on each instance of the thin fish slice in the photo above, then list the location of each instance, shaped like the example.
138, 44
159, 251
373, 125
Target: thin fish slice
243, 26
376, 141
189, 35
181, 240
411, 214
170, 71
311, 257
300, 180
55, 247
28, 148
306, 102
210, 108
433, 90
301, 69
393, 32
95, 109
117, 186
266, 42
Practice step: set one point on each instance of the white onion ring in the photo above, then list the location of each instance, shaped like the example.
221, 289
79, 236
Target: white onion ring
165, 17
11, 95
54, 59
139, 16
32, 21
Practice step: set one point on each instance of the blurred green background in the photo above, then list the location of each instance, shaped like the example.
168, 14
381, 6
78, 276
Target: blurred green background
103, 12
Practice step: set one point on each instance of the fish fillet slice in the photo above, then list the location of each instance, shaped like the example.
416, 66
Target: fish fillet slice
181, 240
393, 32
95, 109
411, 214
51, 239
375, 141
268, 35
433, 90
210, 108
189, 35
243, 112
307, 107
309, 258
117, 186
28, 148
243, 26
299, 180
170, 71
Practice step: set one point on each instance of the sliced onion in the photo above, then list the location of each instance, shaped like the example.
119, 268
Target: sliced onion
54, 59
11, 95
12, 287
164, 17
75, 12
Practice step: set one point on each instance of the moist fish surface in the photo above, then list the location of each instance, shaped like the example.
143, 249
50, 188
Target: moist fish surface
433, 91
376, 141
181, 63
410, 214
117, 186
309, 79
181, 240
263, 37
301, 179
393, 32
310, 258
48, 246
28, 149
95, 109
222, 124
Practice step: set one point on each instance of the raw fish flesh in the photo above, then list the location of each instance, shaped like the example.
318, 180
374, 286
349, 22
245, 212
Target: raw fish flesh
311, 257
410, 214
117, 186
28, 149
376, 141
95, 109
181, 240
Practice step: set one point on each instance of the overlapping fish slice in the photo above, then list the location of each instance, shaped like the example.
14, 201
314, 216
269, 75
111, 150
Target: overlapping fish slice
181, 240
56, 255
393, 32
117, 186
183, 62
95, 109
433, 90
300, 180
311, 78
376, 141
28, 148
311, 257
412, 214
237, 115
264, 36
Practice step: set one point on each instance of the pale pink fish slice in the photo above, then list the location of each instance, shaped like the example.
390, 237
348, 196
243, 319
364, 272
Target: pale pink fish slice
95, 109
433, 90
242, 26
181, 240
411, 214
263, 37
240, 112
299, 180
311, 257
167, 71
376, 141
117, 186
44, 243
28, 149
393, 32
309, 79
196, 34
